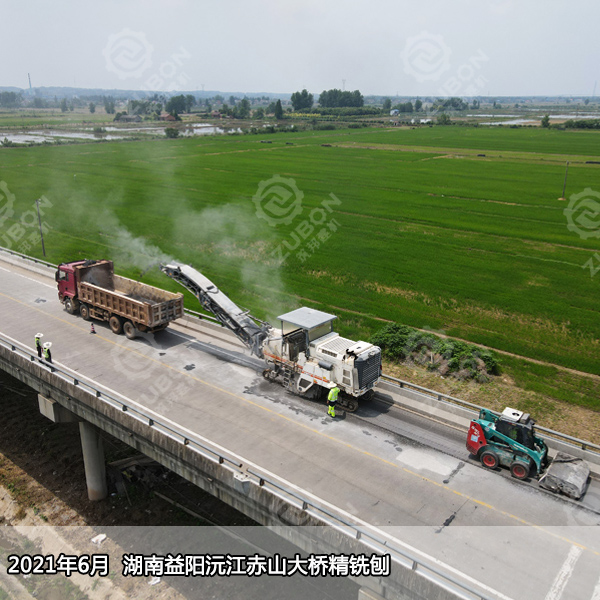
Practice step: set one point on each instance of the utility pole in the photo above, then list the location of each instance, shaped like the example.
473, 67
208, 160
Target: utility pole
37, 204
565, 184
343, 85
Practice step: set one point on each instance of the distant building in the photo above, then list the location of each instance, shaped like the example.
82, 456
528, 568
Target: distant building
167, 117
424, 121
394, 113
216, 114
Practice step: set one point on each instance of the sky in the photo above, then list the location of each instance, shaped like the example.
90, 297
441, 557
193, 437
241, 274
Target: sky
382, 47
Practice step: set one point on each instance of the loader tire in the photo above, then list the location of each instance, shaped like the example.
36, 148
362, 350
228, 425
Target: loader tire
489, 459
130, 330
116, 325
519, 470
84, 311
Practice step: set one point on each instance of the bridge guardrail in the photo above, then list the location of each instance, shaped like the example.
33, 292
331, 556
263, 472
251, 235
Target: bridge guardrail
125, 405
557, 435
373, 538
586, 446
29, 258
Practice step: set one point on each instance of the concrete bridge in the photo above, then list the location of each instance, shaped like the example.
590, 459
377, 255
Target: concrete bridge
384, 480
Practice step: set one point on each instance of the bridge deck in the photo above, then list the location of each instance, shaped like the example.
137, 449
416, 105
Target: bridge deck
513, 539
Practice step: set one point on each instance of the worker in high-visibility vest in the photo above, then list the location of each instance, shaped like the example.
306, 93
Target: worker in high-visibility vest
38, 344
47, 353
332, 399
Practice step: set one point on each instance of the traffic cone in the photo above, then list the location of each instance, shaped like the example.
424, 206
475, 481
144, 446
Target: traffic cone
92, 330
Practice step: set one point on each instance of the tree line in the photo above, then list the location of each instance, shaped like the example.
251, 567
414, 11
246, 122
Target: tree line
333, 98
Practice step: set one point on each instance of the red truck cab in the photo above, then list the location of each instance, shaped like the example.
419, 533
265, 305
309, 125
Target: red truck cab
65, 278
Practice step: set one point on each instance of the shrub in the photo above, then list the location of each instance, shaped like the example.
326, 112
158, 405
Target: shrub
444, 355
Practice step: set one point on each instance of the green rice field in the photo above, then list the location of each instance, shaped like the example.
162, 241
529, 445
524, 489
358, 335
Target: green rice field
425, 231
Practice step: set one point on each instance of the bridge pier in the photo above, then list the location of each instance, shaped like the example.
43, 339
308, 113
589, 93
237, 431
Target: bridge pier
93, 459
91, 445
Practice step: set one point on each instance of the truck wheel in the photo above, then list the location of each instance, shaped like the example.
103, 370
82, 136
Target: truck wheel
519, 470
84, 310
70, 306
130, 330
489, 459
116, 325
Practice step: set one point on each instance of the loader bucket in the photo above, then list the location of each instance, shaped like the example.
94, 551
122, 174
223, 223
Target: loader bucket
566, 475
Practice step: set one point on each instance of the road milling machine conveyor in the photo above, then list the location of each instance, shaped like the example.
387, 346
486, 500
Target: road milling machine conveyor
304, 354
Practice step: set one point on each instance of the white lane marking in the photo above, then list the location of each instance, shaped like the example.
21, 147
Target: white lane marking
596, 594
30, 279
563, 576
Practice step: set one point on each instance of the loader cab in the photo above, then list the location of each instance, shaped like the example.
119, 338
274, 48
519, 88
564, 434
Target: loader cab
517, 426
302, 326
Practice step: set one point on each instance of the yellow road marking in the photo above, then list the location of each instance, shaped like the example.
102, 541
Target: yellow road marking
320, 433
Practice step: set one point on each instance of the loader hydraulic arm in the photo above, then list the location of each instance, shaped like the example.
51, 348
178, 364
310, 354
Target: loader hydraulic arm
225, 310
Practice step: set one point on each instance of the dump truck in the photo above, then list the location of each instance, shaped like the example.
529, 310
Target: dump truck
509, 440
305, 354
91, 288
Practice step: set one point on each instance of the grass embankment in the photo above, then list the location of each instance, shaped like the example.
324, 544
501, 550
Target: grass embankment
430, 234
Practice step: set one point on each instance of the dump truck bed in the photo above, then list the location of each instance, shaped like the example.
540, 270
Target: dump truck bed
143, 304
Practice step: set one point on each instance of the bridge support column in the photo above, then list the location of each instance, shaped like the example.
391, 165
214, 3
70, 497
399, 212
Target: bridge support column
93, 459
